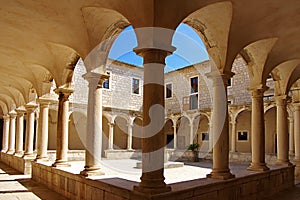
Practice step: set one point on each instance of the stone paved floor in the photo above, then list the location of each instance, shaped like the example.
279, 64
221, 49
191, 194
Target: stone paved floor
14, 185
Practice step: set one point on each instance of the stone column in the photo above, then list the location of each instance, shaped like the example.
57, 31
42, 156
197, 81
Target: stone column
233, 136
282, 131
220, 127
211, 142
129, 138
258, 131
29, 137
94, 125
62, 127
191, 133
42, 134
20, 131
297, 139
175, 136
12, 132
291, 136
5, 133
153, 138
111, 136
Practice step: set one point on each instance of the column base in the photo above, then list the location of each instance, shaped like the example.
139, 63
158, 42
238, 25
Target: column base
4, 150
151, 190
18, 153
11, 152
291, 152
260, 167
28, 156
61, 164
41, 159
87, 172
221, 174
285, 163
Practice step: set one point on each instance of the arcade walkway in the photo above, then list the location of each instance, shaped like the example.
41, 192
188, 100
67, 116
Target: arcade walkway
14, 185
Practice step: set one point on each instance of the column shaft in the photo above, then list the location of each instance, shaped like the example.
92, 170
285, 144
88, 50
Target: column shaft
291, 136
233, 136
282, 132
175, 136
297, 139
12, 133
129, 138
5, 133
42, 135
62, 127
29, 137
220, 129
20, 132
111, 136
258, 132
191, 137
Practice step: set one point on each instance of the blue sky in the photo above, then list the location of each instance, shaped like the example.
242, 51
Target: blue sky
189, 48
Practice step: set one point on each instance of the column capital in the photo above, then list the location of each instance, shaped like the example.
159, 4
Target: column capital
20, 111
31, 107
110, 124
296, 106
219, 78
13, 114
258, 91
6, 117
281, 100
64, 92
152, 55
96, 78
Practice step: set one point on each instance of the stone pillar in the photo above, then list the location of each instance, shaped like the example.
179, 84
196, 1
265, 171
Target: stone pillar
220, 127
29, 137
94, 125
111, 136
291, 136
233, 136
175, 136
258, 131
153, 138
282, 131
5, 133
129, 138
211, 141
297, 139
191, 138
20, 131
42, 134
62, 127
12, 133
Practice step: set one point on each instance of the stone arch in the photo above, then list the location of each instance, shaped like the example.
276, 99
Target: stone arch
77, 131
270, 130
137, 133
243, 124
120, 132
183, 131
202, 133
169, 133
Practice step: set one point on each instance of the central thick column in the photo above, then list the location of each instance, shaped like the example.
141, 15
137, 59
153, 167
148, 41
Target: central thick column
42, 134
29, 137
297, 139
220, 127
258, 131
152, 179
282, 132
94, 125
12, 132
62, 127
5, 133
20, 131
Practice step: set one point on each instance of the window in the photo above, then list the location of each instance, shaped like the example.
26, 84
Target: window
242, 135
229, 82
169, 90
205, 136
106, 82
194, 101
135, 86
229, 101
194, 85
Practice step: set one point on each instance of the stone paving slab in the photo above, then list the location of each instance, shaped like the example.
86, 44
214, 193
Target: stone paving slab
14, 185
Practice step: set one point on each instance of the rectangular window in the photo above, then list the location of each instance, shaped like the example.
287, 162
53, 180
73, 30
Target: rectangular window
194, 101
186, 103
106, 82
229, 82
135, 86
169, 90
205, 136
194, 85
242, 135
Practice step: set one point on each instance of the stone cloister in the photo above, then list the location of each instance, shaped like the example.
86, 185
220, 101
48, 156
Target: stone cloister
41, 43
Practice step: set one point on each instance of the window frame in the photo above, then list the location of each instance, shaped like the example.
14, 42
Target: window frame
166, 89
190, 85
109, 81
139, 88
242, 131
